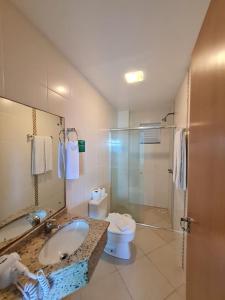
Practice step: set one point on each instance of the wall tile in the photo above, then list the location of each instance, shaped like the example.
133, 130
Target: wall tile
37, 74
24, 59
56, 103
59, 73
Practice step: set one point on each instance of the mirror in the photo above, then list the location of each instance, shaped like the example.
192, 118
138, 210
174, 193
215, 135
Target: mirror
30, 189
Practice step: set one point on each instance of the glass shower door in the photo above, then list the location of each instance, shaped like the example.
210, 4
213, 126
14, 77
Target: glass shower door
141, 183
126, 174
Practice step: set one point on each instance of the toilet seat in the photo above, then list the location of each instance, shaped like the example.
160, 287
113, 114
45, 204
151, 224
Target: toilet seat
121, 224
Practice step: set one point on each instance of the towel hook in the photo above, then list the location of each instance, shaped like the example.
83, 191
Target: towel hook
62, 132
71, 130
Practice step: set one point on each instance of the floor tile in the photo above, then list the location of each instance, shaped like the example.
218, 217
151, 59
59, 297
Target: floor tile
174, 296
103, 268
182, 291
111, 287
168, 235
147, 240
74, 296
144, 281
177, 245
119, 263
164, 223
168, 261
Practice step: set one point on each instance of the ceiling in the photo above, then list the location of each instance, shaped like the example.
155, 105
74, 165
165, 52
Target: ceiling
104, 39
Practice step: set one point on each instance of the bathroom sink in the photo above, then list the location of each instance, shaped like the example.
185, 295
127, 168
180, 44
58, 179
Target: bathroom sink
64, 242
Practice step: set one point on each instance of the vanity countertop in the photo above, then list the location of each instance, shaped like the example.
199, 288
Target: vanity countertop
89, 252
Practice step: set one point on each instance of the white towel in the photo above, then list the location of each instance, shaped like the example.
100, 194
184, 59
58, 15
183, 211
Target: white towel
48, 153
38, 157
41, 154
122, 225
61, 160
180, 160
72, 160
121, 221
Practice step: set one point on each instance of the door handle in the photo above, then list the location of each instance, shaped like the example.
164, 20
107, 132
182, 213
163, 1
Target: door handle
170, 171
185, 224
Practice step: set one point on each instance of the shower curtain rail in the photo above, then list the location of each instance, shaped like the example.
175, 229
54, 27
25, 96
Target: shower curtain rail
143, 128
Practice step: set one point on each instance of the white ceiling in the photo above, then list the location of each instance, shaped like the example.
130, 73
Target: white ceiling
106, 38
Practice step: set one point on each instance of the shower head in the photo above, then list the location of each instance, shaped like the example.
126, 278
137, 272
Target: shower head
164, 119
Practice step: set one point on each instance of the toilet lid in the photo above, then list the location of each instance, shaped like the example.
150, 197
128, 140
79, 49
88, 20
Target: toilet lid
121, 224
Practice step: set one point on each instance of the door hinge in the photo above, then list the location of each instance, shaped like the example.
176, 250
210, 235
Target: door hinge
185, 224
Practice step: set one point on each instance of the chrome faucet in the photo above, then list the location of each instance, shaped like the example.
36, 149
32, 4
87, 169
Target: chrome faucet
34, 220
51, 224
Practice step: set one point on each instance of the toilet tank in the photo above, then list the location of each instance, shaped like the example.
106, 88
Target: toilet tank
98, 209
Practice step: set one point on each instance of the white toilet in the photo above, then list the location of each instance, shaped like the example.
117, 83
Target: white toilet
121, 230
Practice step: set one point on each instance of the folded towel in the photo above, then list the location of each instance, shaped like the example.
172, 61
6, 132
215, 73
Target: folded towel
122, 225
38, 155
72, 160
180, 160
121, 221
61, 160
41, 154
48, 154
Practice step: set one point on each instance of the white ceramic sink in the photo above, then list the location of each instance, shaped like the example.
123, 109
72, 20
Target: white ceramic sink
64, 242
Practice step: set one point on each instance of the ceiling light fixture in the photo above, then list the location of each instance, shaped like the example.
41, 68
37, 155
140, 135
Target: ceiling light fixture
133, 77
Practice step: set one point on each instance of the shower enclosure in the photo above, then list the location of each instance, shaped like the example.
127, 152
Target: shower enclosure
141, 172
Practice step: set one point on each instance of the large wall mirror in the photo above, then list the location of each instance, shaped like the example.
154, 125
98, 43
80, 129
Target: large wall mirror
30, 188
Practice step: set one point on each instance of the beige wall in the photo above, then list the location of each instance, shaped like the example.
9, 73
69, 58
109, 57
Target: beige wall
181, 108
32, 72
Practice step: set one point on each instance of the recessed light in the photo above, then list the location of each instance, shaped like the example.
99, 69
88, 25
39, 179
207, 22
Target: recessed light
133, 77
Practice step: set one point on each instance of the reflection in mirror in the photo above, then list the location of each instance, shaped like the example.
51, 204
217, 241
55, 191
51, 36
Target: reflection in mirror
22, 224
30, 187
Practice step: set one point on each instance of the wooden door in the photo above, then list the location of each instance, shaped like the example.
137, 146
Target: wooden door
206, 201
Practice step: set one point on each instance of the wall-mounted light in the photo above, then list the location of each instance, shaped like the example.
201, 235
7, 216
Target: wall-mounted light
133, 77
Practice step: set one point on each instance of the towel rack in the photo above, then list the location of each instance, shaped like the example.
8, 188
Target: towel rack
31, 136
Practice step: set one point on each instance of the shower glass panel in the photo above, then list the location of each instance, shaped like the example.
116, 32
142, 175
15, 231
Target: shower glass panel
141, 179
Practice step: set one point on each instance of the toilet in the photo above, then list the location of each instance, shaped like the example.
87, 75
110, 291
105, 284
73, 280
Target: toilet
121, 231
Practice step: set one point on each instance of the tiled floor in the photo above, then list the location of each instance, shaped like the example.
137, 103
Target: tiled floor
153, 273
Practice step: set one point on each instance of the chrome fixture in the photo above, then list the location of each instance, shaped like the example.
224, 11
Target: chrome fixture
170, 171
185, 224
34, 220
164, 119
51, 224
143, 128
31, 136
